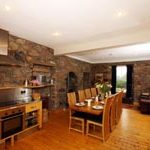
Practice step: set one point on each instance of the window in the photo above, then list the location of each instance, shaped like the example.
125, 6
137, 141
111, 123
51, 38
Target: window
121, 82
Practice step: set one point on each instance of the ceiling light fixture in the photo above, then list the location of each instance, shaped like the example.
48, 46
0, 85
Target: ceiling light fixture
56, 34
121, 13
7, 8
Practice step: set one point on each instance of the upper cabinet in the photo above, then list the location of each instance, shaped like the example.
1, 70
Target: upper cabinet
3, 42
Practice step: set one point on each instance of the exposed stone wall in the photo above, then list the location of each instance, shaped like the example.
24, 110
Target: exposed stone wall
27, 52
105, 69
141, 77
64, 66
141, 74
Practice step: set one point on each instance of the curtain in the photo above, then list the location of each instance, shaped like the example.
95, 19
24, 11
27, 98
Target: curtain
129, 81
113, 80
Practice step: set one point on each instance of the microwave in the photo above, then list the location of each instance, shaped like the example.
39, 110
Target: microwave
42, 79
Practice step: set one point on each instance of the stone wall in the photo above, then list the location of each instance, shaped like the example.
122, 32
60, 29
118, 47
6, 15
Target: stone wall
141, 77
65, 65
27, 53
141, 74
104, 69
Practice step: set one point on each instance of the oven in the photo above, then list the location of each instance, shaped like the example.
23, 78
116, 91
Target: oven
12, 121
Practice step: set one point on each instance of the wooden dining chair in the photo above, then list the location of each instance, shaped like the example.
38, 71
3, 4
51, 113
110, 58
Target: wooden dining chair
113, 113
120, 103
81, 95
93, 92
99, 126
88, 93
118, 106
76, 120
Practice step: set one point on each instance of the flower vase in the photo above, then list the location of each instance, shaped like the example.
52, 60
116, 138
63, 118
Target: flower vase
102, 96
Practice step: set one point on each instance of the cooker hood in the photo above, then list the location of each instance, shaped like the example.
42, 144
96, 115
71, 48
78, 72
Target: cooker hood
9, 61
5, 59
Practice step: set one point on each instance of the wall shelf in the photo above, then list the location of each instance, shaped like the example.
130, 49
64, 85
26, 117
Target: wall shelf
32, 87
45, 65
38, 86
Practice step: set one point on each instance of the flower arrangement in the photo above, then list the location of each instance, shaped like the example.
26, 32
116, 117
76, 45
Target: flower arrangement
104, 87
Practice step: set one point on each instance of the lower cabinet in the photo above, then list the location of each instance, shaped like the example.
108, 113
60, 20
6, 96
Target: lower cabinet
33, 114
32, 118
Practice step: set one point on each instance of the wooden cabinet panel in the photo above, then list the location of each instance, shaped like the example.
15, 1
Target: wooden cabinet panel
33, 106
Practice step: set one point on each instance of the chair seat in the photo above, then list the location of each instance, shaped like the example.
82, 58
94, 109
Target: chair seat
94, 118
79, 115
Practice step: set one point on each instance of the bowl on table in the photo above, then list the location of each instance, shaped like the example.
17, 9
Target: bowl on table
97, 107
80, 104
102, 102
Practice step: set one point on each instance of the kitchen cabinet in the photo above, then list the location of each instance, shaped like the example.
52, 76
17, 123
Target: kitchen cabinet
32, 117
33, 113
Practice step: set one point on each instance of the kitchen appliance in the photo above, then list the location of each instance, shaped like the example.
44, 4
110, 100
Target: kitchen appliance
4, 42
11, 121
12, 117
42, 79
5, 59
13, 96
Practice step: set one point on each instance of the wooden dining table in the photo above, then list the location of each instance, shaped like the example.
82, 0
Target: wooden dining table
87, 109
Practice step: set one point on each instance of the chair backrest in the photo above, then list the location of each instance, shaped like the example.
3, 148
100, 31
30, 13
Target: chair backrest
106, 117
93, 92
71, 98
118, 105
113, 113
81, 95
88, 93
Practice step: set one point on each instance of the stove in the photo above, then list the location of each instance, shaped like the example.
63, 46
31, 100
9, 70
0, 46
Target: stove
8, 103
12, 120
12, 117
15, 96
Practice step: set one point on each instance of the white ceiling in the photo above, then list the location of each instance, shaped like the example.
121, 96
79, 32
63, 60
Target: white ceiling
122, 54
77, 25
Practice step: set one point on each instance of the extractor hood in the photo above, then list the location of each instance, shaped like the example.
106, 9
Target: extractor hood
5, 59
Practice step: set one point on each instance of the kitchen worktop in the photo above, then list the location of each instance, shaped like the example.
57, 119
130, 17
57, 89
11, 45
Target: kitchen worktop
17, 104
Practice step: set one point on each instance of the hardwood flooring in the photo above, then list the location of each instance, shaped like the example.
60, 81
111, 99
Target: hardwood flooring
132, 133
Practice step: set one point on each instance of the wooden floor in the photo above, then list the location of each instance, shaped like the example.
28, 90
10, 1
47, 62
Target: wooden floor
132, 133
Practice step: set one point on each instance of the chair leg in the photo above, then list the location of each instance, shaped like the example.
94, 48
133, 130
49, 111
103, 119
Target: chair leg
83, 127
69, 124
103, 136
87, 128
70, 121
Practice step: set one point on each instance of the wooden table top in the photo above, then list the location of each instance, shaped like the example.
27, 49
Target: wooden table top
87, 109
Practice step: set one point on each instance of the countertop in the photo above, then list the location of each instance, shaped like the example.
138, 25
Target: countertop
18, 104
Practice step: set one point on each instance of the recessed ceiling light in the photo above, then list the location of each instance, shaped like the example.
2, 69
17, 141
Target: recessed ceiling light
121, 13
7, 8
56, 34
